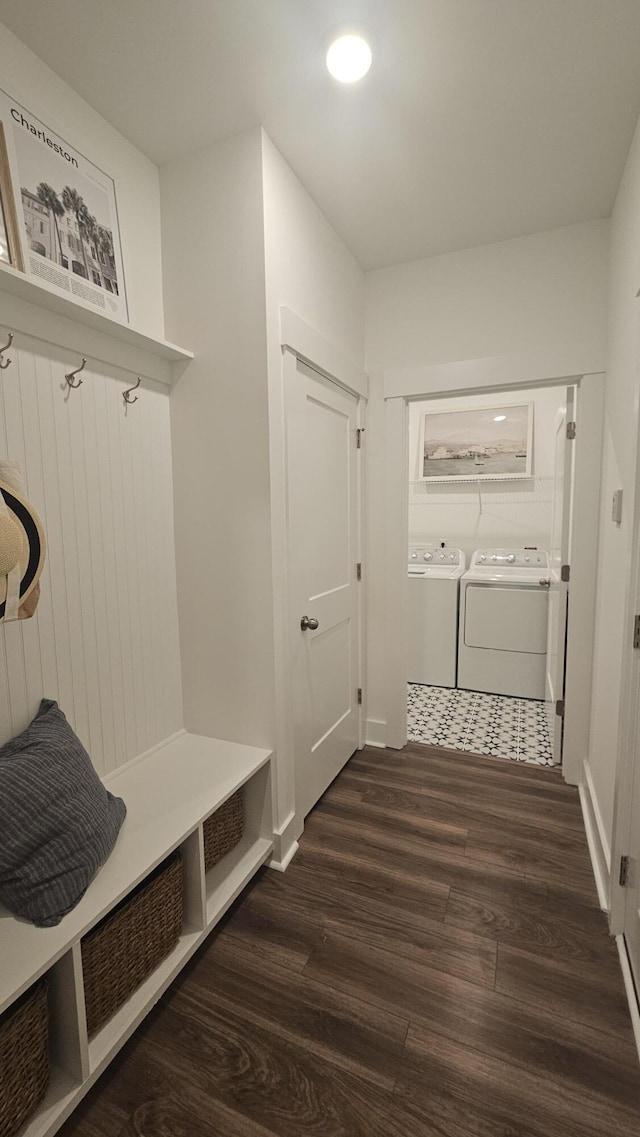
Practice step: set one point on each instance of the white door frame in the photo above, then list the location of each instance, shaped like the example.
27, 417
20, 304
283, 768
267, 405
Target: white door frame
300, 340
559, 554
629, 736
586, 509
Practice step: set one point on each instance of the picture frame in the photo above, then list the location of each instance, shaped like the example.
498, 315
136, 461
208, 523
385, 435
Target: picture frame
472, 444
67, 236
10, 247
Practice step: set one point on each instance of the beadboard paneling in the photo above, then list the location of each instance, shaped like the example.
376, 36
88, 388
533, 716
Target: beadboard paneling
104, 640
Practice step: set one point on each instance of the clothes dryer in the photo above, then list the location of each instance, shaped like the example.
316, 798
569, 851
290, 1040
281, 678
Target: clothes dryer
434, 579
502, 644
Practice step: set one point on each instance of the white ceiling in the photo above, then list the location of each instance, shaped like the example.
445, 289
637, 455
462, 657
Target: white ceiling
480, 120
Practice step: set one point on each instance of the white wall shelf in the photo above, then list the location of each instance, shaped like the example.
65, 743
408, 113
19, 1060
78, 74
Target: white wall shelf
37, 310
468, 479
169, 793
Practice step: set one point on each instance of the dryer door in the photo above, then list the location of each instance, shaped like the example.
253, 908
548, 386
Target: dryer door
506, 617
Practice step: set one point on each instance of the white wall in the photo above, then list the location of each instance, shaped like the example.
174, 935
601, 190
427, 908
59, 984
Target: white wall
535, 299
222, 299
261, 244
492, 513
620, 434
49, 98
537, 293
215, 301
309, 271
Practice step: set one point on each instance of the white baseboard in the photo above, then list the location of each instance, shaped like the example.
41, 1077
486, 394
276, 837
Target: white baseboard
376, 733
283, 864
596, 838
630, 988
285, 842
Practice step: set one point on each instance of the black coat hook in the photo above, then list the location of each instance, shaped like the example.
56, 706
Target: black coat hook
126, 395
4, 363
70, 375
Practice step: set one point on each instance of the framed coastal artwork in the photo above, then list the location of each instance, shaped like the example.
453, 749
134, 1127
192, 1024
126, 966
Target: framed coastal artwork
68, 236
488, 442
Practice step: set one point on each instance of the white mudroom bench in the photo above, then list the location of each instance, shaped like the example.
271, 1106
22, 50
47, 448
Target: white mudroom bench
169, 792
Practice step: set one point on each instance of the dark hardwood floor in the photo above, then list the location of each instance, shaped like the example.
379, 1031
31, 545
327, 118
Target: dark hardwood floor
432, 964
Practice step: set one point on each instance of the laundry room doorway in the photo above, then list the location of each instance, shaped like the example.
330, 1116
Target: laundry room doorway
503, 481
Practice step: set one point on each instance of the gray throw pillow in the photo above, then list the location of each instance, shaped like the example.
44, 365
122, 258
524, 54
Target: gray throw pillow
58, 823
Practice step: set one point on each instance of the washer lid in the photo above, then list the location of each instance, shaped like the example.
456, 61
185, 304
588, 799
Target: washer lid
436, 572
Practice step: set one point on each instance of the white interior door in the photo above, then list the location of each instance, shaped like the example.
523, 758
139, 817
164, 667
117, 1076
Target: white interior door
559, 588
323, 551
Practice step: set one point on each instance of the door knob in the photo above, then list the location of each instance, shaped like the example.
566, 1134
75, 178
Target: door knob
544, 583
308, 623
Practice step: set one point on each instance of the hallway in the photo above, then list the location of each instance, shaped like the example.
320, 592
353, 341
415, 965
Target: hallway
434, 961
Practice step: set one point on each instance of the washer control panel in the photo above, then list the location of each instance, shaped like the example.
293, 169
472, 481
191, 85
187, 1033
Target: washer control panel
433, 555
511, 559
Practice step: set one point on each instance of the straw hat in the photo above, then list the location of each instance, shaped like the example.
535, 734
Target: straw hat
22, 552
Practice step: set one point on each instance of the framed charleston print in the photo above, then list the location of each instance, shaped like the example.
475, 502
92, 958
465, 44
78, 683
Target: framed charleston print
10, 247
68, 231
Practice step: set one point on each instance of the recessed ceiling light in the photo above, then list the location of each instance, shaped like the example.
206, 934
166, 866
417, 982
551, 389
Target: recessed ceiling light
349, 58
499, 418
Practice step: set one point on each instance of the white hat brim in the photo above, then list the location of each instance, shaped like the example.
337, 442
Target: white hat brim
34, 547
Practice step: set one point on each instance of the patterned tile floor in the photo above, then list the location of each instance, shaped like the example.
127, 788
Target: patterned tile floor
482, 724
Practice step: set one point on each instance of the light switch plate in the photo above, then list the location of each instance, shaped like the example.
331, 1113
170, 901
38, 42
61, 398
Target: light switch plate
616, 507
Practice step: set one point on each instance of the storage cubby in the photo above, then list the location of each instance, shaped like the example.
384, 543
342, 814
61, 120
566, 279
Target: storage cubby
24, 1057
170, 793
108, 1040
225, 881
68, 1051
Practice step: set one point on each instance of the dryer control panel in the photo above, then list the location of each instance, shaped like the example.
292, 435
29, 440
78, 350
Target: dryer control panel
515, 559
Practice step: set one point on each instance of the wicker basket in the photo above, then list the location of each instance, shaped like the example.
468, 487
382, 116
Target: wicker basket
124, 948
24, 1058
223, 830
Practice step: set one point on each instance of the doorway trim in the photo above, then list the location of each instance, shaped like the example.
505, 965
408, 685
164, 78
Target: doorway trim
629, 736
459, 379
299, 340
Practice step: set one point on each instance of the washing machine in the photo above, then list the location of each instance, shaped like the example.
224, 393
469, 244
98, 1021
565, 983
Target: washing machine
502, 644
434, 580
